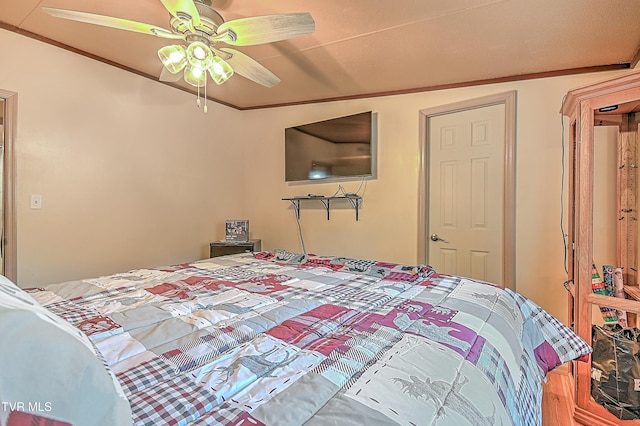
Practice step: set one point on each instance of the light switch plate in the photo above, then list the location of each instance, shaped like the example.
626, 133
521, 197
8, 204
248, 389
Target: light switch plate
36, 201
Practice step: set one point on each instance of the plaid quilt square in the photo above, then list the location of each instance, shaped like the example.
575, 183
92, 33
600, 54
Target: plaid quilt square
173, 402
146, 375
72, 312
227, 416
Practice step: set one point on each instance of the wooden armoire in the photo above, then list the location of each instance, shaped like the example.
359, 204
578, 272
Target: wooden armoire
615, 102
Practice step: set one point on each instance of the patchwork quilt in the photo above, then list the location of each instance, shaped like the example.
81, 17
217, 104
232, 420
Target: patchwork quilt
280, 338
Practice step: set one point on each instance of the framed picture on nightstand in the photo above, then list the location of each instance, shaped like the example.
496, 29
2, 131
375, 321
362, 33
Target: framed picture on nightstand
237, 231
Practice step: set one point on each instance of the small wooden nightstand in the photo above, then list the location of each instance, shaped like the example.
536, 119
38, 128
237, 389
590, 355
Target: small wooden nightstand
223, 248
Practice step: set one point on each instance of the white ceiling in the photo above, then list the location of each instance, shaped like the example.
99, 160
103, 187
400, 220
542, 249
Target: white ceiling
367, 47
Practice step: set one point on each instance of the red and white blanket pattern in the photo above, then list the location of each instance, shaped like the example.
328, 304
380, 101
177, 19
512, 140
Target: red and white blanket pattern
287, 339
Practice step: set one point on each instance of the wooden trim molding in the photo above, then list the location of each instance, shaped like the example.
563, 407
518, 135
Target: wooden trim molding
636, 59
456, 85
9, 215
502, 79
509, 100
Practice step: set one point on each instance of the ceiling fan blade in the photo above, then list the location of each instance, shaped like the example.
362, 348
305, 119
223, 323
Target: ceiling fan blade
168, 76
180, 8
267, 29
250, 68
109, 21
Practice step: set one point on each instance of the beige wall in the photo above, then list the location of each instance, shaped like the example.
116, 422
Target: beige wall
388, 219
132, 175
605, 216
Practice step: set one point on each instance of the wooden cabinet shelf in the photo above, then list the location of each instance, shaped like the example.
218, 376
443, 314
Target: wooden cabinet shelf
633, 291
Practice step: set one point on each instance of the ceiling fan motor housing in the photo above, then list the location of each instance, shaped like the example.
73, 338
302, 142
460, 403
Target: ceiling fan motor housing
210, 20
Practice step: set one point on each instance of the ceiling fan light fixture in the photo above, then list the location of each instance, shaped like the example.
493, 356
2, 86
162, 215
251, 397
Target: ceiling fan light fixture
197, 24
220, 71
173, 57
200, 55
195, 76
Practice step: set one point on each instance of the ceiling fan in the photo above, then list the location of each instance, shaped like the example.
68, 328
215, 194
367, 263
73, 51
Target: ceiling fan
200, 30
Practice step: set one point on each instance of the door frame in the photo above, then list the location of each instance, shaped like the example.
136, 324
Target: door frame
9, 241
508, 99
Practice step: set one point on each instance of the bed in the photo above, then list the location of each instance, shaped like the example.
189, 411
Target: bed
276, 338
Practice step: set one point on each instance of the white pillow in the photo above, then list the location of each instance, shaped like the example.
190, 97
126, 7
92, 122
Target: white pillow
49, 368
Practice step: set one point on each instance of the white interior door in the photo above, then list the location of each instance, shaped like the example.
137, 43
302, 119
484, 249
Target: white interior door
465, 200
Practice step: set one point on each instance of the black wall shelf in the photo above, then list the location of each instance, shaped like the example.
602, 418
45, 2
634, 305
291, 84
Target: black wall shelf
355, 201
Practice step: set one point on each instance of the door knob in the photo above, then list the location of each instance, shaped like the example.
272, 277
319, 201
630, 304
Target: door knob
435, 237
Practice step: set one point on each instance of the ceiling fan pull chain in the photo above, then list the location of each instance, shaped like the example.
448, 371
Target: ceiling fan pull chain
205, 94
198, 101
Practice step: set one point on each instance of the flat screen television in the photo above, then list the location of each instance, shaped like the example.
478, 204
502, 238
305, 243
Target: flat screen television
342, 148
